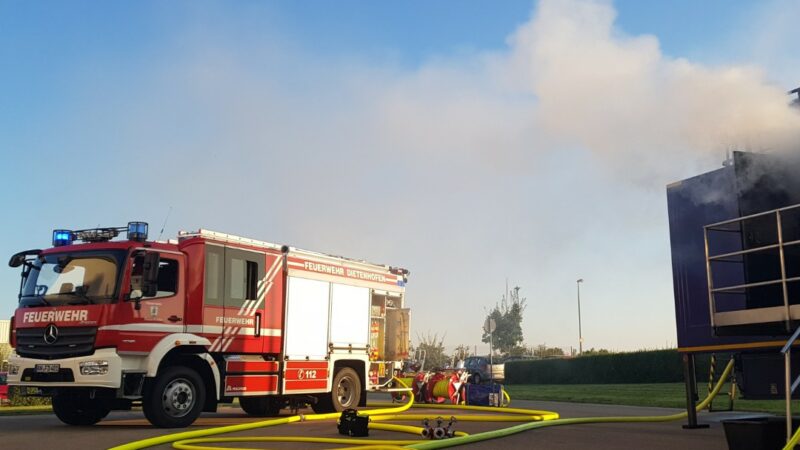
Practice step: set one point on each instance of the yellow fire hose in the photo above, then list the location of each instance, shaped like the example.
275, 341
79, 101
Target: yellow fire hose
158, 440
793, 441
440, 389
583, 420
533, 419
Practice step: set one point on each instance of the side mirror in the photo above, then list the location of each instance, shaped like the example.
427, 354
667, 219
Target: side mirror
150, 274
16, 260
20, 258
144, 278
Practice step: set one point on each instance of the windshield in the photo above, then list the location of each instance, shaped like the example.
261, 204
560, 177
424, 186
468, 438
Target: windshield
72, 279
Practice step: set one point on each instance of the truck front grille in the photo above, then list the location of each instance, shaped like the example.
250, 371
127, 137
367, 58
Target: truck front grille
71, 342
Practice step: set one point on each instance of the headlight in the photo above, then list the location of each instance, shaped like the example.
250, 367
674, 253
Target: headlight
94, 367
13, 369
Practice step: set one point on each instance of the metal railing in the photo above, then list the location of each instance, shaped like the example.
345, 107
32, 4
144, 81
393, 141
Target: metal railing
790, 385
736, 226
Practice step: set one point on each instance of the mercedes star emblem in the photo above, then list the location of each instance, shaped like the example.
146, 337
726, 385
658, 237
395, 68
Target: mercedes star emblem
51, 334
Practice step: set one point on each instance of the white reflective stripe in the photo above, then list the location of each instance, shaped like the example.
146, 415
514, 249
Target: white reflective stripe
245, 305
249, 306
215, 345
144, 327
264, 332
199, 328
264, 287
220, 340
246, 331
255, 305
275, 264
227, 344
227, 340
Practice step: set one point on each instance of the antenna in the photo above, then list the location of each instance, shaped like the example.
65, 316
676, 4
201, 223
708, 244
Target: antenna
164, 224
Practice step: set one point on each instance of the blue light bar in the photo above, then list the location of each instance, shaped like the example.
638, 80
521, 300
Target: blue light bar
137, 231
62, 237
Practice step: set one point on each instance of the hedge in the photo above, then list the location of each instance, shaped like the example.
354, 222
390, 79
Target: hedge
656, 366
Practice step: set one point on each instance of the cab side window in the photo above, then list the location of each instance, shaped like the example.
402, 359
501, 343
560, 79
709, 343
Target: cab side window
232, 276
167, 283
243, 270
167, 278
215, 275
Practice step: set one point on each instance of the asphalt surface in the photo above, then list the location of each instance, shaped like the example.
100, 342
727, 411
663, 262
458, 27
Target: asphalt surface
46, 432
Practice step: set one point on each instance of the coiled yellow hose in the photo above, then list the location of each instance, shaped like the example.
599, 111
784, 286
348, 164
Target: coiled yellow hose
533, 419
165, 439
452, 442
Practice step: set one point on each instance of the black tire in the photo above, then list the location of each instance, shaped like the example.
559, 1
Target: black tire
476, 378
346, 393
79, 409
175, 398
261, 406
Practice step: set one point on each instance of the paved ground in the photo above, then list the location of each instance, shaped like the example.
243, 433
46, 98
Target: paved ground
45, 431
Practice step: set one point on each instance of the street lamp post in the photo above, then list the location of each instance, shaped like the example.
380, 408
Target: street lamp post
580, 332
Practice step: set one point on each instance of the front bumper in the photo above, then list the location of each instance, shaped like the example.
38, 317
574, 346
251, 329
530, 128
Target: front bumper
26, 375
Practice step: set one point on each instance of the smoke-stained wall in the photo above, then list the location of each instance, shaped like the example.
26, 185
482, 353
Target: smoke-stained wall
748, 184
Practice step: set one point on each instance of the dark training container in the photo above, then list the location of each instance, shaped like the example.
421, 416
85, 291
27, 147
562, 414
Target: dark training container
757, 433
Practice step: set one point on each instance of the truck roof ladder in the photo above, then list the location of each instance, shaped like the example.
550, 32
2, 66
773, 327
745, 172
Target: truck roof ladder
224, 237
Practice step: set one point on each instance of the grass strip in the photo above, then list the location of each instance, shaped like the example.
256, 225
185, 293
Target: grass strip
23, 410
665, 395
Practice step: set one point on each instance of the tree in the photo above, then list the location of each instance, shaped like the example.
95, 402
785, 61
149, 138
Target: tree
593, 351
543, 351
460, 353
507, 315
433, 346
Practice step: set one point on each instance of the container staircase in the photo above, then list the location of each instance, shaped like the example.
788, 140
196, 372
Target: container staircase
753, 273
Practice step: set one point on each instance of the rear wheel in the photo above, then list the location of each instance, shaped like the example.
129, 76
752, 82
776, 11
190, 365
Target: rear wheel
79, 409
175, 398
261, 406
346, 393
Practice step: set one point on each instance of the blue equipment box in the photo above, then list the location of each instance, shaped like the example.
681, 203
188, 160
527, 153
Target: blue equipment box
484, 394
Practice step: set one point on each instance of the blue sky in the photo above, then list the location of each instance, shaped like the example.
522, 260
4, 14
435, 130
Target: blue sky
470, 141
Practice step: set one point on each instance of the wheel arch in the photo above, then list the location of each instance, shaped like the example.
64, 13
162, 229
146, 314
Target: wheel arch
360, 368
181, 342
196, 358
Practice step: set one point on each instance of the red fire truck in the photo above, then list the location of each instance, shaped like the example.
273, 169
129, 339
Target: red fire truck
185, 325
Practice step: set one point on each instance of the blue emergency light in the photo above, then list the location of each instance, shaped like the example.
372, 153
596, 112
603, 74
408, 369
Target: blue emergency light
62, 237
137, 231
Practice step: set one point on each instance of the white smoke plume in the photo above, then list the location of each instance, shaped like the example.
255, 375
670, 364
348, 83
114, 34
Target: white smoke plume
467, 169
571, 79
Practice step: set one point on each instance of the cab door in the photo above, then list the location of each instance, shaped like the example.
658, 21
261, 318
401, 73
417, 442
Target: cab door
159, 314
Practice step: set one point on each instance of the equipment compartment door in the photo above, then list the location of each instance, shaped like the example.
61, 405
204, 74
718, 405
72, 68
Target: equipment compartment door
244, 272
234, 298
307, 311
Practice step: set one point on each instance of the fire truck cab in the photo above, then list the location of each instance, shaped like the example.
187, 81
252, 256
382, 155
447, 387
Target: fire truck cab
184, 325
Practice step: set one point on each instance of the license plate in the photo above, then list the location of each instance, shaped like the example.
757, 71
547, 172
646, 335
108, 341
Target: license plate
48, 368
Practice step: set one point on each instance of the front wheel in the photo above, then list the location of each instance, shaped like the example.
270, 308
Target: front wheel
175, 398
79, 409
346, 393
